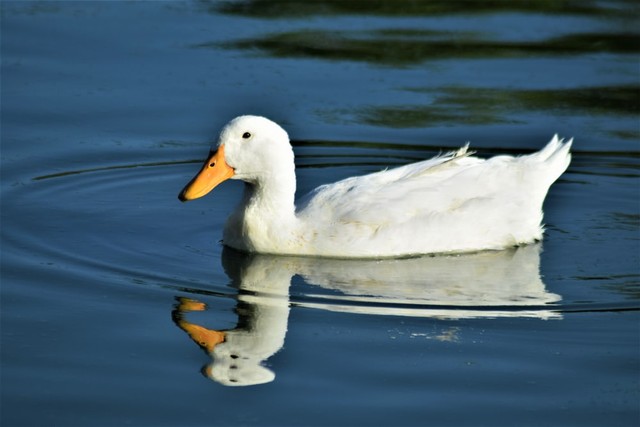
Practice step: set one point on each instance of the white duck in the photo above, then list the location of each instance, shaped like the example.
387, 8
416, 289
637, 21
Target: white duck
451, 203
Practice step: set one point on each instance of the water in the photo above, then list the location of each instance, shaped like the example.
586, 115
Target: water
111, 288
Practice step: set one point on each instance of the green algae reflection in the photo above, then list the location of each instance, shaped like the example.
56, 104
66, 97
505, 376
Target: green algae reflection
292, 8
392, 47
469, 105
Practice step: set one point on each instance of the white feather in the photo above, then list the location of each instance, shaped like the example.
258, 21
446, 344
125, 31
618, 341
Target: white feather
452, 203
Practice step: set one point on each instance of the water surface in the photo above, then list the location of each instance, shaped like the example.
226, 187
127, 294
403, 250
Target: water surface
119, 305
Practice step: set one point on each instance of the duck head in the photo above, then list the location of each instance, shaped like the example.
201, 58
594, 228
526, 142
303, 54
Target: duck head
250, 148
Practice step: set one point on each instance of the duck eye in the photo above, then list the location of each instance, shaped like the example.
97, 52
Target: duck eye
246, 135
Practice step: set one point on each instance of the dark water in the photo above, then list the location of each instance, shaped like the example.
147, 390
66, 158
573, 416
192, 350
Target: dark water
109, 283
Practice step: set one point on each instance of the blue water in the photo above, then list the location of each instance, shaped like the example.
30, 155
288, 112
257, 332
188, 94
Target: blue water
109, 284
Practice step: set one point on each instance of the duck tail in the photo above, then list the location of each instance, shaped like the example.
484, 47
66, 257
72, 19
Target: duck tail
555, 149
556, 156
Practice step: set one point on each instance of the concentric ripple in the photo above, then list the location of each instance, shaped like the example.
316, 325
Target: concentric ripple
123, 223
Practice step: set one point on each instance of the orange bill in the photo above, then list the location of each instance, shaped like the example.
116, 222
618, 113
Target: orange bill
205, 338
214, 171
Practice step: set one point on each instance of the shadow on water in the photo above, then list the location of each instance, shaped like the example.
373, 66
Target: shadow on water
468, 105
458, 105
406, 47
287, 8
399, 46
482, 285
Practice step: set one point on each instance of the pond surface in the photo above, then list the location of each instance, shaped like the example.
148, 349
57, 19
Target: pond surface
120, 307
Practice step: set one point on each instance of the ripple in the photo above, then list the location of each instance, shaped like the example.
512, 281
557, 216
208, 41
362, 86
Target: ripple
113, 167
122, 223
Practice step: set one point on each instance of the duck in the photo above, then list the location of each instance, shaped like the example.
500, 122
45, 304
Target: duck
452, 203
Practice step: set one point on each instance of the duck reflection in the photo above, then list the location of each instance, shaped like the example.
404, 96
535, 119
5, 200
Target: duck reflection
487, 284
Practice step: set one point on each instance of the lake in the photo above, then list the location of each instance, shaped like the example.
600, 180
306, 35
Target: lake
121, 307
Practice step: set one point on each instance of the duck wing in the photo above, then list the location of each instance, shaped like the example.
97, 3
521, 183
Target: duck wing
454, 201
397, 192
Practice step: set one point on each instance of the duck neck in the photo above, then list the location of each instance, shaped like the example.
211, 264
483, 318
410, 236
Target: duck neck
272, 197
265, 220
